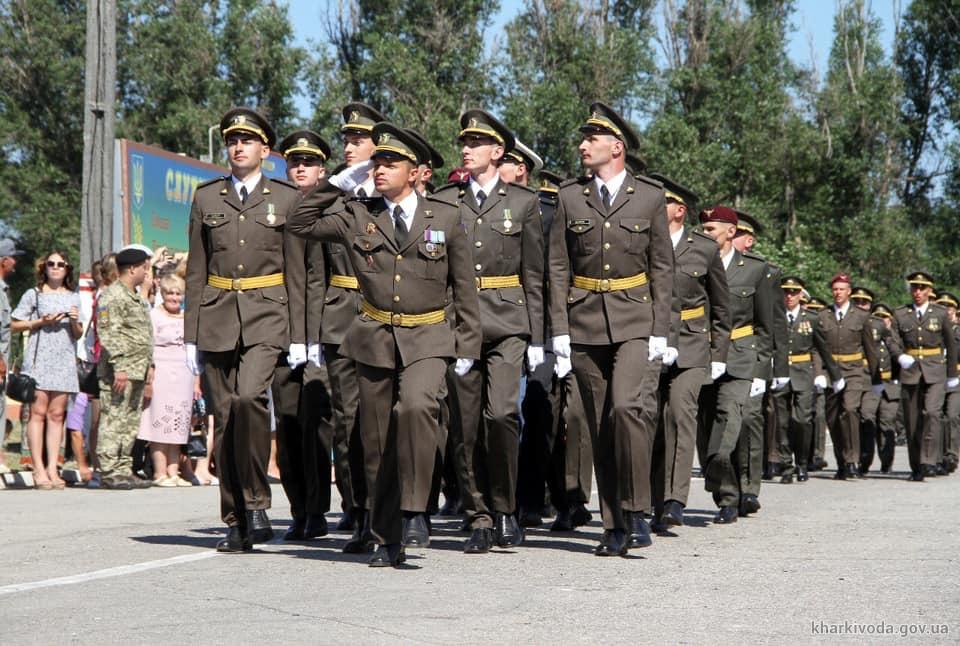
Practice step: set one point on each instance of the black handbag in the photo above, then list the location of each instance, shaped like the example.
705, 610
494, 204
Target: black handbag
21, 387
197, 442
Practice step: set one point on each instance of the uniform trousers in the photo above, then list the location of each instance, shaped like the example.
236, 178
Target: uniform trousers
398, 427
676, 435
922, 412
345, 428
720, 466
750, 446
541, 446
819, 427
618, 386
843, 420
951, 428
793, 410
486, 430
878, 428
237, 383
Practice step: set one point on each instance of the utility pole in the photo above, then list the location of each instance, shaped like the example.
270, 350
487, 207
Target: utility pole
96, 224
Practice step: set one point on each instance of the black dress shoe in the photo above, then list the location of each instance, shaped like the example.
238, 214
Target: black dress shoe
749, 504
885, 467
802, 475
562, 522
863, 469
819, 463
579, 515
726, 515
639, 530
480, 541
786, 478
388, 556
362, 540
841, 474
852, 472
507, 532
236, 541
672, 514
811, 466
530, 518
415, 532
929, 471
347, 522
612, 543
941, 470
295, 531
916, 476
315, 527
657, 526
258, 526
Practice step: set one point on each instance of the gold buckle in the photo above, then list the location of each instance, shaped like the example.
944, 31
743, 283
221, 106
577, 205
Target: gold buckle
396, 319
236, 284
604, 284
477, 279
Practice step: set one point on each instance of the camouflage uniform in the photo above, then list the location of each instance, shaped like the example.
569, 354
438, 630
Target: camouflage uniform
126, 339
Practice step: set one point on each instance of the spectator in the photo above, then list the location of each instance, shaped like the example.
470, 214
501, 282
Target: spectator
104, 272
8, 262
51, 313
166, 422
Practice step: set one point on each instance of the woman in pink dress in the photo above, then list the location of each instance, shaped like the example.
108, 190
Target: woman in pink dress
166, 421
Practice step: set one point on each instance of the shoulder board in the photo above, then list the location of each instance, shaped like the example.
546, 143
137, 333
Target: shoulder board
583, 179
451, 186
433, 197
906, 308
283, 182
938, 307
524, 187
695, 233
754, 256
649, 180
213, 181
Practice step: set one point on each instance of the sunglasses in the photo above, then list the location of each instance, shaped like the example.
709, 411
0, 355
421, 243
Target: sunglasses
59, 264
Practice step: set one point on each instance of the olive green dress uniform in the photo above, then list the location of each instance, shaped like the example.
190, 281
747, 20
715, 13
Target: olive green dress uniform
878, 410
748, 357
931, 341
400, 342
611, 285
951, 418
505, 234
850, 342
240, 327
700, 331
126, 340
819, 443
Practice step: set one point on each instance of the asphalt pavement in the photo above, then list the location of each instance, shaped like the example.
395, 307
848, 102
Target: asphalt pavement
864, 561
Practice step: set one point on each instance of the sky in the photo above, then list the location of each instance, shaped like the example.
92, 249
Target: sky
809, 43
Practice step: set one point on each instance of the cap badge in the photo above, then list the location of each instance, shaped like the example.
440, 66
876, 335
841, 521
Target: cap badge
302, 141
473, 122
240, 120
384, 138
354, 116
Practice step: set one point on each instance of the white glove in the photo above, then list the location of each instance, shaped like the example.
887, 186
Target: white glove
561, 346
876, 389
670, 356
953, 382
820, 383
534, 357
717, 368
315, 354
779, 382
658, 345
563, 367
839, 384
194, 359
758, 386
463, 366
352, 176
906, 361
296, 355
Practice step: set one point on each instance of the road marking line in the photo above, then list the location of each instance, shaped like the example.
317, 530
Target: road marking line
105, 574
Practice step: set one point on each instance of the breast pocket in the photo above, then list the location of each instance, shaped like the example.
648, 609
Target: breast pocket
216, 231
508, 236
581, 236
638, 234
432, 260
269, 233
368, 247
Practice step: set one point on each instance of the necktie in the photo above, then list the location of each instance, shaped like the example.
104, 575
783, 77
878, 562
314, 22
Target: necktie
919, 315
481, 196
243, 195
790, 318
361, 192
839, 316
605, 196
399, 226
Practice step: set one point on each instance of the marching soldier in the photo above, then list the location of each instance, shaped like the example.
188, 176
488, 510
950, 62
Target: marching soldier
818, 446
806, 352
880, 405
503, 227
696, 350
951, 409
748, 363
928, 366
405, 249
246, 276
611, 283
848, 335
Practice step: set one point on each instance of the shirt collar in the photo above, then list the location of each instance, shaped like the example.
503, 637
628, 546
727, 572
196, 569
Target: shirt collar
613, 184
795, 312
677, 237
487, 188
841, 310
729, 257
922, 308
408, 204
368, 187
251, 183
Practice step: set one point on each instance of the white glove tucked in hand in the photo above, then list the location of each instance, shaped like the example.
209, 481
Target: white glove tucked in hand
758, 386
839, 384
463, 366
820, 383
563, 367
657, 346
906, 361
296, 355
953, 382
534, 357
561, 346
779, 382
315, 354
669, 356
352, 176
717, 368
194, 359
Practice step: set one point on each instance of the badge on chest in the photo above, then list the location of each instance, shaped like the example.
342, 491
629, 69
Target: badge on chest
435, 240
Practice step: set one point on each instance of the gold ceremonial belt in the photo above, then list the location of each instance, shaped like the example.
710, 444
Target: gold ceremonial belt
917, 353
402, 320
886, 375
740, 332
609, 284
347, 282
695, 313
799, 358
494, 282
843, 358
240, 284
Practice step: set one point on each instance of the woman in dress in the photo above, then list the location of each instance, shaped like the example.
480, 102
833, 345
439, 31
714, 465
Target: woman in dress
50, 312
166, 421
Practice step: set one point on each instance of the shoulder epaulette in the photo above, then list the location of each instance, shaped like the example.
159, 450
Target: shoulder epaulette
452, 185
583, 179
213, 181
649, 180
752, 255
433, 197
697, 232
525, 188
284, 182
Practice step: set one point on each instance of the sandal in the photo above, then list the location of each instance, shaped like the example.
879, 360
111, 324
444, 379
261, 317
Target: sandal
43, 486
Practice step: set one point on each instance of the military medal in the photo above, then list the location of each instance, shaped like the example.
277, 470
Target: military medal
506, 219
934, 325
271, 217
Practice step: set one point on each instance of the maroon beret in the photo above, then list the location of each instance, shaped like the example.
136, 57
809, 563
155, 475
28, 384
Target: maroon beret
719, 214
840, 278
459, 176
